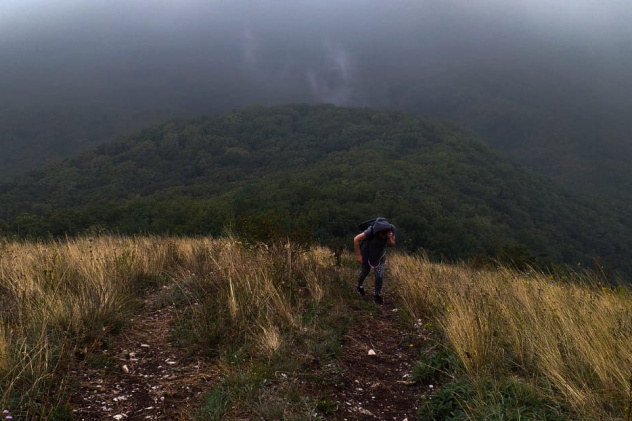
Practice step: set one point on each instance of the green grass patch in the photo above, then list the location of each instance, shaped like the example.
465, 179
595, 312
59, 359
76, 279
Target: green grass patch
437, 362
216, 402
508, 399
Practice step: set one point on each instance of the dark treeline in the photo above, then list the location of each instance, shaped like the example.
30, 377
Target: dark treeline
313, 173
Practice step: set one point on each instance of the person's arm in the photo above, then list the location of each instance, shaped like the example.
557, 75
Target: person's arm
356, 246
391, 239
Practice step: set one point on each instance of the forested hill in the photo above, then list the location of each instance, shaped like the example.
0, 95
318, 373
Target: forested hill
316, 171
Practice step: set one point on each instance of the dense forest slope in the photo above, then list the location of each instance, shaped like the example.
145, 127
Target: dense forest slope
316, 171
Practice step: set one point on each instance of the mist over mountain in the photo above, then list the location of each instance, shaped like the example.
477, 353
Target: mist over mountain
244, 52
546, 82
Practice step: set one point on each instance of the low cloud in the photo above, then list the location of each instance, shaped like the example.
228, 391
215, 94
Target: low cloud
332, 82
250, 48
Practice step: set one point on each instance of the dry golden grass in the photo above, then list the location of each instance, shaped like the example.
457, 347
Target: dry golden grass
57, 296
4, 348
574, 334
248, 293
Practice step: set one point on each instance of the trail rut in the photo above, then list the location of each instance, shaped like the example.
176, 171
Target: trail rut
142, 375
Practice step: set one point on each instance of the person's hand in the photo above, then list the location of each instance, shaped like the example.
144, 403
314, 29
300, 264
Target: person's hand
359, 259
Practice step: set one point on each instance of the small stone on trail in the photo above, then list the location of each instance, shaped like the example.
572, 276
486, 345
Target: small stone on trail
371, 352
365, 412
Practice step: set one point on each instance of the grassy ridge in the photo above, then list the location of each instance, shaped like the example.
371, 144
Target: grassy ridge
507, 345
58, 297
256, 309
566, 340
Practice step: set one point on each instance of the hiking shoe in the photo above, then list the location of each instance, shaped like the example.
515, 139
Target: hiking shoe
378, 299
361, 290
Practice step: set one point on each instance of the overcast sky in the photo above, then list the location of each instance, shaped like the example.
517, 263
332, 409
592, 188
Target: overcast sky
213, 55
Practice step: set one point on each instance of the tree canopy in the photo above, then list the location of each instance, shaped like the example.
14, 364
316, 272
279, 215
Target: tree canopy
315, 172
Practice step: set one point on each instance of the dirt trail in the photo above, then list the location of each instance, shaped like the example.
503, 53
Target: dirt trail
378, 384
141, 375
148, 378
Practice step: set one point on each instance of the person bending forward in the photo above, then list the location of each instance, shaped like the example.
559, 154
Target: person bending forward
370, 250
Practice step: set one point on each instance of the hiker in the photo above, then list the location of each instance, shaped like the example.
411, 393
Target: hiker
372, 253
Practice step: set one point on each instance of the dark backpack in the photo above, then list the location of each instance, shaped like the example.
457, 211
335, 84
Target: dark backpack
370, 224
366, 224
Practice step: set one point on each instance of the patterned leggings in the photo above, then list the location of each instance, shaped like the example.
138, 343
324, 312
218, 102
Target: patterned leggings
378, 272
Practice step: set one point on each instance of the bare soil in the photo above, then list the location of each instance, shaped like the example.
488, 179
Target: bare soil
378, 359
144, 376
141, 375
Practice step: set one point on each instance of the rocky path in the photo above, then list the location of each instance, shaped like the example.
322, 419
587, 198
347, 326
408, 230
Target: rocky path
141, 375
378, 359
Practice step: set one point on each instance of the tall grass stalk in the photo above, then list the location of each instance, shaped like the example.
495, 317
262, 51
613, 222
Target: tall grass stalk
574, 335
